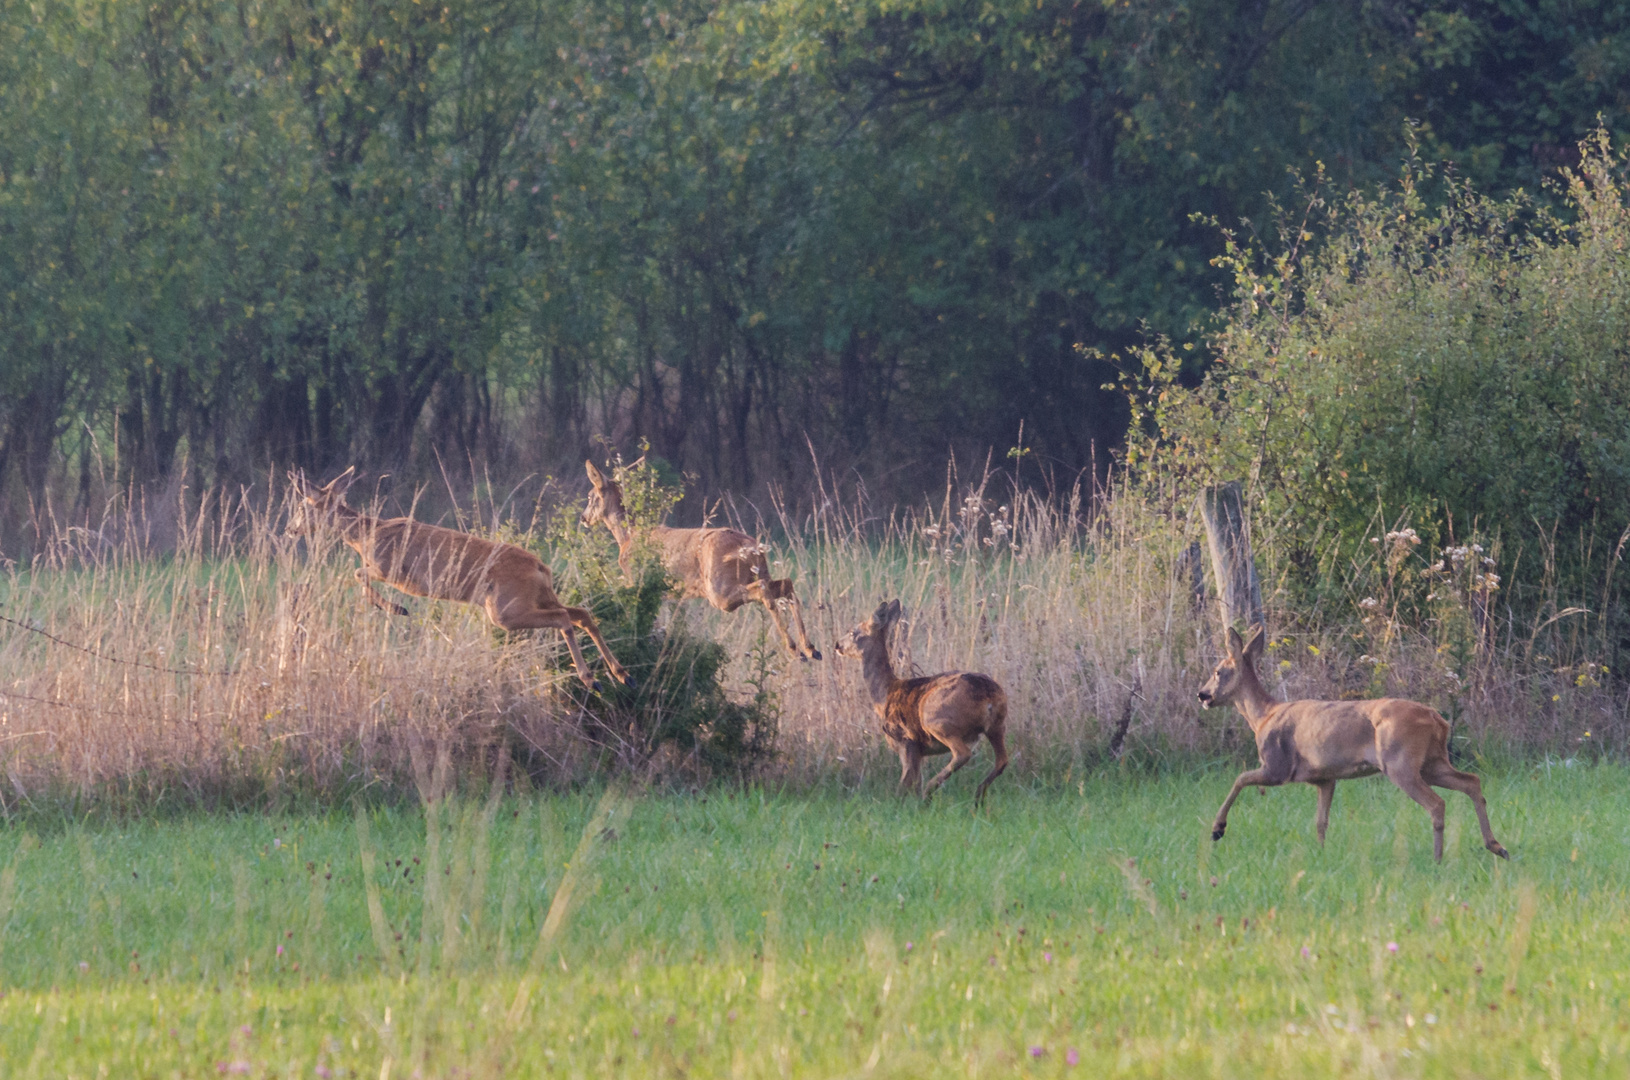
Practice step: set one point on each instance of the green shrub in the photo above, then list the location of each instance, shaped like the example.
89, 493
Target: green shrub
1462, 368
680, 699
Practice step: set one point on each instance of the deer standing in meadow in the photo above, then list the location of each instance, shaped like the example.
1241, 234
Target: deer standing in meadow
928, 715
725, 567
513, 586
1320, 742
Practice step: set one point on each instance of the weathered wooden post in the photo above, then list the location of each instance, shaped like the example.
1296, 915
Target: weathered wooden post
1191, 565
1228, 534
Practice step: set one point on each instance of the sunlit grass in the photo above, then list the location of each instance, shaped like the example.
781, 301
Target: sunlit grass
826, 934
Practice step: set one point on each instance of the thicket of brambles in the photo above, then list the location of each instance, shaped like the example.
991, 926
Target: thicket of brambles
333, 232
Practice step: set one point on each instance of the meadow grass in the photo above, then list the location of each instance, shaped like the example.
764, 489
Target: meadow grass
1076, 928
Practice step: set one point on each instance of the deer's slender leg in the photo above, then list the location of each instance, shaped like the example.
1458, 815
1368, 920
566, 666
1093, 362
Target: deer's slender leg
1254, 778
515, 617
961, 754
998, 743
1418, 789
911, 768
763, 594
549, 619
1327, 792
585, 622
1444, 775
785, 592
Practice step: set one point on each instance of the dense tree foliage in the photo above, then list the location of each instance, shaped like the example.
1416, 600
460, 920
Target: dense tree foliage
319, 231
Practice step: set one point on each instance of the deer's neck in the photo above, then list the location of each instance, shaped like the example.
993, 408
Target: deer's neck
1253, 700
625, 541
878, 671
354, 527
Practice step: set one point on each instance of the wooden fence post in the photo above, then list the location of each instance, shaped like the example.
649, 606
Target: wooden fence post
1191, 565
1228, 534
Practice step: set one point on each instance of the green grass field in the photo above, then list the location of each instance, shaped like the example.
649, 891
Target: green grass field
1077, 929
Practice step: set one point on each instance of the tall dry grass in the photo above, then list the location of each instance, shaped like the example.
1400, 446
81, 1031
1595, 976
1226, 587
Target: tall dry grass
236, 665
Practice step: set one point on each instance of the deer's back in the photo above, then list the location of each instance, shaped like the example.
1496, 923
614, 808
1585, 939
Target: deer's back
428, 560
711, 562
1333, 740
965, 702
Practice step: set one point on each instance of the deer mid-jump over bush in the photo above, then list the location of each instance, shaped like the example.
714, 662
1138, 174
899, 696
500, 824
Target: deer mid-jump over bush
513, 586
928, 715
1320, 742
725, 567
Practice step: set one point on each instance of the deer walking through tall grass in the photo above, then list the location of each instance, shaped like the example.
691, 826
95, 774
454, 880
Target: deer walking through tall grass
513, 586
1321, 742
928, 715
725, 567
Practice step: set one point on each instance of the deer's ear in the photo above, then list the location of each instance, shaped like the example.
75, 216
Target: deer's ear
1235, 645
595, 476
1253, 648
882, 615
337, 486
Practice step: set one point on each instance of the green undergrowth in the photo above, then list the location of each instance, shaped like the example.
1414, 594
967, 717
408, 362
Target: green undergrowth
1079, 929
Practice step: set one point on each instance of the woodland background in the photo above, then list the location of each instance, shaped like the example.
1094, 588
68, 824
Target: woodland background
475, 235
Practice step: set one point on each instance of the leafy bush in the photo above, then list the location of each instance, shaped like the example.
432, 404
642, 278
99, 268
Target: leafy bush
1456, 368
681, 699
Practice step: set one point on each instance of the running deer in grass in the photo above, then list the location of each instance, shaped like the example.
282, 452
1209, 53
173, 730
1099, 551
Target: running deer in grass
1320, 742
512, 585
725, 567
928, 715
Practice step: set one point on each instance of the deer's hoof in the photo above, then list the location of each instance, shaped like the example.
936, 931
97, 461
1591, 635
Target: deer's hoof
400, 610
814, 654
630, 682
594, 684
1500, 851
1217, 831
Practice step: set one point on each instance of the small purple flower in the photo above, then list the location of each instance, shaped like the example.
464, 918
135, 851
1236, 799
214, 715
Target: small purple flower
1072, 1056
636, 1033
1047, 956
1037, 1051
909, 946
247, 1030
325, 1072
280, 950
1306, 952
1392, 946
731, 1016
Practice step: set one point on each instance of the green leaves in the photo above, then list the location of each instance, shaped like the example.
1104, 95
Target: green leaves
301, 231
1459, 366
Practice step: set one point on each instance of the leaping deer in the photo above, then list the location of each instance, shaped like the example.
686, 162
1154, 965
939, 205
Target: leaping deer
1320, 742
512, 585
725, 567
928, 715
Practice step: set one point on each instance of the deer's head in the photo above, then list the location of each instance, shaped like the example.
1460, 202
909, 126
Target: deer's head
605, 501
875, 629
315, 506
1229, 676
